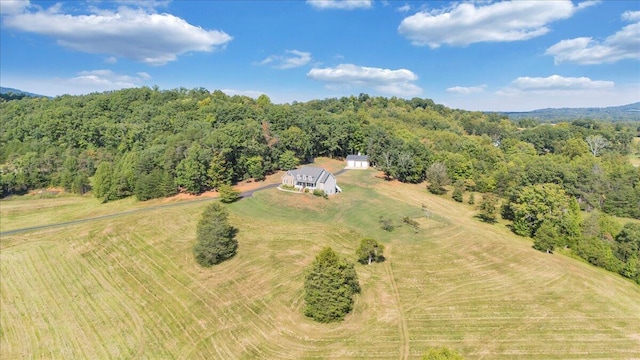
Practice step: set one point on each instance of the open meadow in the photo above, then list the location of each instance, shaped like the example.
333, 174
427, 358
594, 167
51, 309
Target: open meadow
128, 286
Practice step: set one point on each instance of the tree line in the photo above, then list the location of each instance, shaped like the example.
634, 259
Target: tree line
151, 143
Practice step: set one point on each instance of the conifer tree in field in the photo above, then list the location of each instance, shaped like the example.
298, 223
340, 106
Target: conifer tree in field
329, 286
215, 237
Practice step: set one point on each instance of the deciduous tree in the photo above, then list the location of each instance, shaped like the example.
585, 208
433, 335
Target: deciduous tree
370, 251
487, 207
438, 178
597, 143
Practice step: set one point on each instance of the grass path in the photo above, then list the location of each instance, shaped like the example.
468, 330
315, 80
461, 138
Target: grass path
402, 324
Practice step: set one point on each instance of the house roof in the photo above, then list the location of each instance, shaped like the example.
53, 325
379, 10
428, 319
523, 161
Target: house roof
310, 172
358, 157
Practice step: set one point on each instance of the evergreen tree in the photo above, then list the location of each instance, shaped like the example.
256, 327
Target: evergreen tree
228, 194
330, 284
215, 237
458, 191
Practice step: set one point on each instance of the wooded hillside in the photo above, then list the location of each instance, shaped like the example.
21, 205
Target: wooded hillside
152, 143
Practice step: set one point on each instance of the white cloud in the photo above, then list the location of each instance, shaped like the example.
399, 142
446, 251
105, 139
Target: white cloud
340, 4
467, 90
148, 4
530, 93
143, 75
151, 38
291, 59
404, 8
111, 60
624, 44
102, 80
13, 7
631, 16
83, 82
557, 83
387, 81
467, 23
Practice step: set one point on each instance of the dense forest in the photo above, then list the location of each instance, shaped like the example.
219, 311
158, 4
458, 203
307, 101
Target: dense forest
152, 143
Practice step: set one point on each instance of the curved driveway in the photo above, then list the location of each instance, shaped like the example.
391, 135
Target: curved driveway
245, 194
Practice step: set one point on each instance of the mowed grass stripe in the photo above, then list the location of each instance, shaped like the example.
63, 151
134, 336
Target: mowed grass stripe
460, 283
39, 302
475, 300
164, 312
18, 335
138, 246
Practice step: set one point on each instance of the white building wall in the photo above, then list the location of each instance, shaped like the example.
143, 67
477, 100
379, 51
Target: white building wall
329, 185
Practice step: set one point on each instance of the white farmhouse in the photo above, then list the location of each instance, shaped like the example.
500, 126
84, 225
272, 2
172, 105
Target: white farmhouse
311, 178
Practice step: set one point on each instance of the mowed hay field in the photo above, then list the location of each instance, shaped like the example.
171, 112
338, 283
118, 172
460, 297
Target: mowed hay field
128, 287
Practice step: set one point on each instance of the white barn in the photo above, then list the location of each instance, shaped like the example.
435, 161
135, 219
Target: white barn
357, 161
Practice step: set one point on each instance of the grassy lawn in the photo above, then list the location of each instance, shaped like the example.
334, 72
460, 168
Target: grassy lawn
128, 287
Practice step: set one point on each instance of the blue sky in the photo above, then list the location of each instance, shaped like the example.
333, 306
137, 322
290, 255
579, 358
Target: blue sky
476, 55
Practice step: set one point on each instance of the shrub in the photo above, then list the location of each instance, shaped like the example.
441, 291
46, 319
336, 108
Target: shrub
442, 354
409, 221
370, 251
318, 192
386, 223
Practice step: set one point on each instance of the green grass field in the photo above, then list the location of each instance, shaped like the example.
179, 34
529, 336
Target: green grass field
128, 287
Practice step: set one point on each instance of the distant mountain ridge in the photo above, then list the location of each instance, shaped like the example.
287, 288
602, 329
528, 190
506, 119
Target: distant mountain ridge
629, 112
18, 92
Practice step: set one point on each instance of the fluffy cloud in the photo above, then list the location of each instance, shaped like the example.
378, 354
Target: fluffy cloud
291, 59
467, 90
557, 83
102, 80
624, 44
340, 4
151, 38
467, 23
631, 16
387, 81
13, 7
